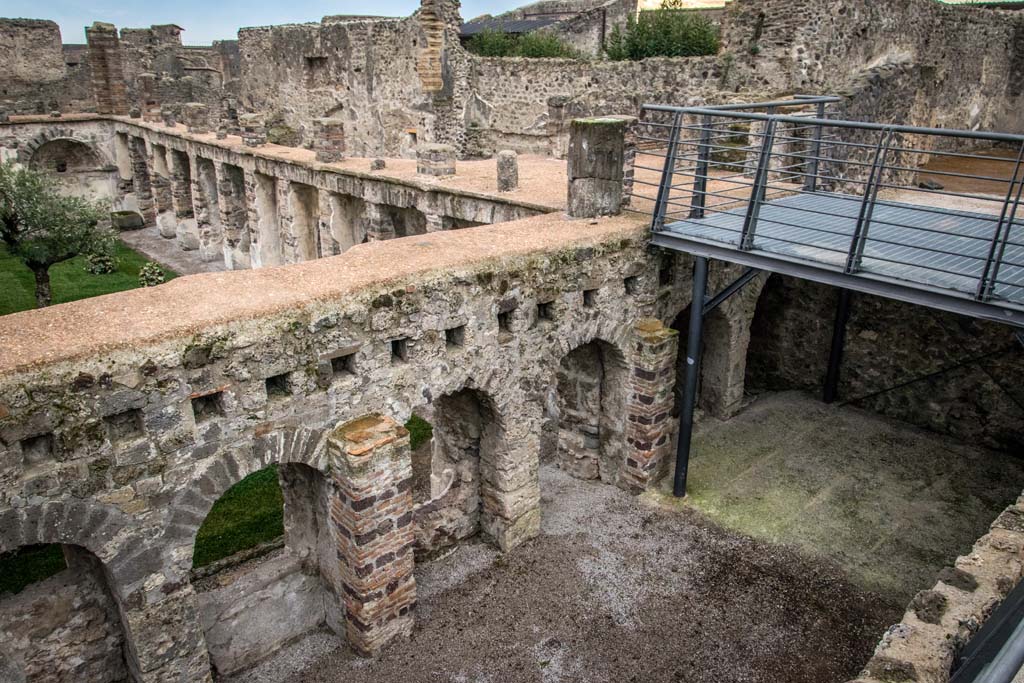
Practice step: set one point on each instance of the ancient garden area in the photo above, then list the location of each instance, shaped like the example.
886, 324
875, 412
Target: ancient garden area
593, 341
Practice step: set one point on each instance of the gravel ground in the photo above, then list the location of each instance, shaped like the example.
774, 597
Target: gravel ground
615, 590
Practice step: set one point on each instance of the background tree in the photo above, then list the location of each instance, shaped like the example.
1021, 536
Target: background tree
42, 227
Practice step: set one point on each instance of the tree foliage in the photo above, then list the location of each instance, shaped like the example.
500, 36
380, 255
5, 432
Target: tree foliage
666, 32
537, 44
42, 227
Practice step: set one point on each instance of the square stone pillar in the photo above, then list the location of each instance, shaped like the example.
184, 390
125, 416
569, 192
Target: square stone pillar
329, 139
141, 179
371, 513
377, 223
508, 171
252, 129
149, 102
196, 116
597, 155
435, 160
649, 423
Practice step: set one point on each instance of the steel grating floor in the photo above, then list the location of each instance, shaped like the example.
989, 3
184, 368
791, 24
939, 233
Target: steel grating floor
922, 247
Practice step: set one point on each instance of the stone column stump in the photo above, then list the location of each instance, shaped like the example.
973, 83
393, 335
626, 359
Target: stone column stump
196, 117
329, 139
435, 160
508, 171
595, 166
649, 423
149, 103
371, 513
253, 130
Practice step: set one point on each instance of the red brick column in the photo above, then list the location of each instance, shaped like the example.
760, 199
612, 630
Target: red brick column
649, 426
107, 72
371, 513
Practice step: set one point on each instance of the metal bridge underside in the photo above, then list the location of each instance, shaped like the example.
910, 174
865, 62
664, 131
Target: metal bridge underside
937, 264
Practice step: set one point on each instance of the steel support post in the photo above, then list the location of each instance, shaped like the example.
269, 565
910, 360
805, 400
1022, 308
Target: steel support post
835, 356
693, 353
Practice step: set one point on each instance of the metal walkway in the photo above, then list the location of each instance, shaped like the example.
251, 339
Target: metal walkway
923, 215
845, 203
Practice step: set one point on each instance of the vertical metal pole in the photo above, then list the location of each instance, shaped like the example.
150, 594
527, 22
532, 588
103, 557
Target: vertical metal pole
693, 353
665, 186
758, 191
811, 180
835, 356
700, 180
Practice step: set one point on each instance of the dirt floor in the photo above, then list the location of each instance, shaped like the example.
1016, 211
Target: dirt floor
891, 503
614, 590
831, 519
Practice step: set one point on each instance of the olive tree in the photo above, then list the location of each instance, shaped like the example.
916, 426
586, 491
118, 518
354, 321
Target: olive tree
41, 226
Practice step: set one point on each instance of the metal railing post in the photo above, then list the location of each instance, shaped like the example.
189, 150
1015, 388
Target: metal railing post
811, 181
757, 193
867, 205
700, 180
989, 274
665, 187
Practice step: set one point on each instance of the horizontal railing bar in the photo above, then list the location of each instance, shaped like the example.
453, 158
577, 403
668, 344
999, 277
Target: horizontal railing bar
859, 125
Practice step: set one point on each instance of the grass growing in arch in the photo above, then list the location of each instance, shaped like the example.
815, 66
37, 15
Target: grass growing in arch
29, 564
249, 513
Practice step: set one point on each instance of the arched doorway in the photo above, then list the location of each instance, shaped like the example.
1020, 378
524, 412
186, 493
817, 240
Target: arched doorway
591, 385
78, 168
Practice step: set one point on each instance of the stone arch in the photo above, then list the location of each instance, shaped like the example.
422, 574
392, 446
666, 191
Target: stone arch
290, 444
65, 626
588, 413
277, 593
469, 448
79, 167
29, 149
726, 338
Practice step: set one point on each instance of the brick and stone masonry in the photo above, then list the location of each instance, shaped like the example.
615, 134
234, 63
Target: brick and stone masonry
149, 104
253, 130
329, 139
196, 116
435, 160
371, 515
508, 171
107, 71
649, 423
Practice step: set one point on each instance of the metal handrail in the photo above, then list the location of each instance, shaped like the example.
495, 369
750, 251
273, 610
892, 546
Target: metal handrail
803, 165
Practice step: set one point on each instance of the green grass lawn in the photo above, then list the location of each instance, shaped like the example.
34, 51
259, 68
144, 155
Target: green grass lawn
249, 513
29, 564
69, 280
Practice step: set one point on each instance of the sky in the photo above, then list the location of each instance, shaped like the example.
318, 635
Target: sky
207, 20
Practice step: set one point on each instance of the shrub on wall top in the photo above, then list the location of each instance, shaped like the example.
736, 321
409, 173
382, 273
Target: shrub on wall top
663, 33
538, 44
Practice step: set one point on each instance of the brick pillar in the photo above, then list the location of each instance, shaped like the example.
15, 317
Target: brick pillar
329, 140
595, 166
141, 180
149, 102
371, 513
649, 423
234, 215
435, 160
252, 130
186, 229
107, 71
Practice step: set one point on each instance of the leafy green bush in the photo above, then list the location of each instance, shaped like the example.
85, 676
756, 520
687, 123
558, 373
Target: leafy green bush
663, 33
537, 44
151, 275
100, 264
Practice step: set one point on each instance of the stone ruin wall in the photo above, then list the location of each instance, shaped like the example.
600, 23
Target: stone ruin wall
396, 82
122, 449
40, 74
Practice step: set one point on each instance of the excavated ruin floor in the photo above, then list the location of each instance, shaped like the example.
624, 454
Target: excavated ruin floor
616, 590
890, 503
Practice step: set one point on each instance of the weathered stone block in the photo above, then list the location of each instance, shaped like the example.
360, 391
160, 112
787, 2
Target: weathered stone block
595, 166
508, 171
435, 160
197, 117
329, 139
